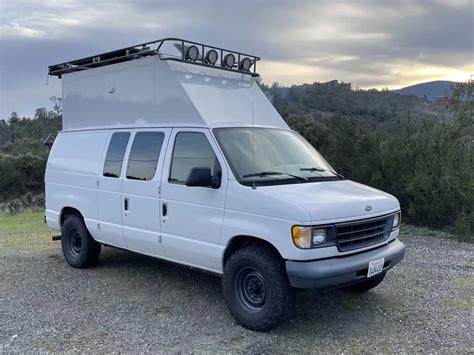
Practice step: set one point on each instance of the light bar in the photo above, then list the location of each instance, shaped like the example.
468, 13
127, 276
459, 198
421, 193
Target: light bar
245, 64
211, 57
192, 53
229, 61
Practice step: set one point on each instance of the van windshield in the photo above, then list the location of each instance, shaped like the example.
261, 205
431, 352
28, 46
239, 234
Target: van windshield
278, 156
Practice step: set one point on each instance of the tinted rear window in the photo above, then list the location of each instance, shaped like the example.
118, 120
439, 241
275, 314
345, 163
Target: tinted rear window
115, 153
144, 155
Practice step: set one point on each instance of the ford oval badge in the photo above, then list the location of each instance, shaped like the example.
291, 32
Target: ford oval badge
368, 208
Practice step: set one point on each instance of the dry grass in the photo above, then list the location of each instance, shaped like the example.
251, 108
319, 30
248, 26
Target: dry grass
26, 231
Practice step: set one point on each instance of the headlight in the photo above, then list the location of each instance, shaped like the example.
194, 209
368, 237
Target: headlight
319, 236
312, 237
396, 220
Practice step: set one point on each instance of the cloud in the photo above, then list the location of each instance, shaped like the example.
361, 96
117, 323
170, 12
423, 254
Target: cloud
15, 30
371, 43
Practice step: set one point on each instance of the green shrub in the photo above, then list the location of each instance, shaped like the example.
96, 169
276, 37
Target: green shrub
24, 203
20, 174
427, 164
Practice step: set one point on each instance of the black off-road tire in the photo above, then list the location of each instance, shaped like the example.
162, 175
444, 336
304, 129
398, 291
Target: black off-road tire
254, 266
366, 285
79, 248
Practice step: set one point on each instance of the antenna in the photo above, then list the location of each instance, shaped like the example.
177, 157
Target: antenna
253, 150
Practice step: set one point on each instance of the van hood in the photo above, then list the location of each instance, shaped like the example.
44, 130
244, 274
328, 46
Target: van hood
333, 201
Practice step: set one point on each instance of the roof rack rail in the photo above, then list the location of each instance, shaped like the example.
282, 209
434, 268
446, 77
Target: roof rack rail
188, 51
49, 140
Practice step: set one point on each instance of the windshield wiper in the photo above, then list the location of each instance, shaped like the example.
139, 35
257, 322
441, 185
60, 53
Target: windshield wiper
322, 170
269, 173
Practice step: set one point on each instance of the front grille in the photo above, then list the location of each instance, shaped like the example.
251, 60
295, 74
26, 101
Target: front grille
364, 233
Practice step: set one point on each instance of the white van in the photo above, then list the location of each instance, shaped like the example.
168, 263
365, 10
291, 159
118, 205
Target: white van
183, 158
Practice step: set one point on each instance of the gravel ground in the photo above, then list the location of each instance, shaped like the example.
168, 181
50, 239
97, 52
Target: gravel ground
131, 303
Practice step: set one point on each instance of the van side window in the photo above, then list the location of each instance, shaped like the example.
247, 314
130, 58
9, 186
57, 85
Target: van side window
191, 150
144, 155
115, 153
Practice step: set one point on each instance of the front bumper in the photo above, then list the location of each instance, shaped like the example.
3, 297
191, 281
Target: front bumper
342, 271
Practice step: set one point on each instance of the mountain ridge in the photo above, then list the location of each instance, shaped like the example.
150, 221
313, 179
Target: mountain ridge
429, 89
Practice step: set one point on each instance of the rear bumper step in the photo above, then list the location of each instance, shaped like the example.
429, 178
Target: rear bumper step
56, 237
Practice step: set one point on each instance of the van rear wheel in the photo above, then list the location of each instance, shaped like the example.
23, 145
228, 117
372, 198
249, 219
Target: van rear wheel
256, 288
79, 248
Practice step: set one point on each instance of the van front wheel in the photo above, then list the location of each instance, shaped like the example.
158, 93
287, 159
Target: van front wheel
79, 248
256, 288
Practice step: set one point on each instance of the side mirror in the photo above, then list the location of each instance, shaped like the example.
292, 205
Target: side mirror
202, 177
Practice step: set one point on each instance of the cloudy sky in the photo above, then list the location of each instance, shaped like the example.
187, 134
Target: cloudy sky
373, 43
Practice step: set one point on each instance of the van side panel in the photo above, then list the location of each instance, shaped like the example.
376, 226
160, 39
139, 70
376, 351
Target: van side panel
71, 176
140, 93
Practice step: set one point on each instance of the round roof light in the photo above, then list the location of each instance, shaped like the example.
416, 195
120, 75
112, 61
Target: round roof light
192, 53
245, 64
229, 60
211, 57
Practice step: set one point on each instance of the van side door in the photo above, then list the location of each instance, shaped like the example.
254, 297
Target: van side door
192, 216
141, 191
109, 191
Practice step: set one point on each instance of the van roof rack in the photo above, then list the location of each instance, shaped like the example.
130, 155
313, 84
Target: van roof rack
188, 51
49, 140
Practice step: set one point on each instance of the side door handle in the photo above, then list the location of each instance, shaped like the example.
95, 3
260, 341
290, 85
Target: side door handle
125, 204
164, 210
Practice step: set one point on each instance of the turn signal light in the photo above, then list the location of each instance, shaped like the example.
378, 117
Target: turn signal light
302, 236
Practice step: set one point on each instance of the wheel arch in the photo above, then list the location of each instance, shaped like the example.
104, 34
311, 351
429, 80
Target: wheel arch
68, 211
241, 241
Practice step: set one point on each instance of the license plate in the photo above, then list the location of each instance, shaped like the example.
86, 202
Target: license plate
375, 267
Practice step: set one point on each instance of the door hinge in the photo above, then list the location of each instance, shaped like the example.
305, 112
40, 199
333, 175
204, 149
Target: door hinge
159, 239
159, 189
97, 183
98, 225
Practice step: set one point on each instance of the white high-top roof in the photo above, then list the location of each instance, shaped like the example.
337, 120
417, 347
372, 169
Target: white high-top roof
149, 92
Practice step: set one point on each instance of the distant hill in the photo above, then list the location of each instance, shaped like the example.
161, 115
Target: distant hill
430, 89
370, 108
